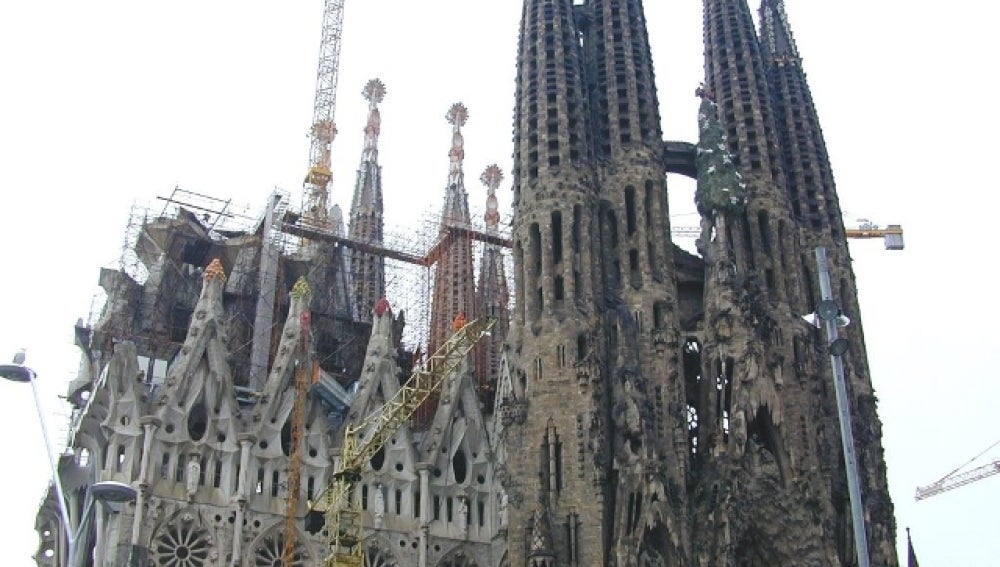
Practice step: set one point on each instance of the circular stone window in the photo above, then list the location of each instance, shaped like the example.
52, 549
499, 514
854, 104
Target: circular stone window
182, 545
270, 551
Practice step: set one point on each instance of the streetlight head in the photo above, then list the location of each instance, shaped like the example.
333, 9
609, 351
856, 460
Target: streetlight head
16, 372
112, 491
828, 310
839, 346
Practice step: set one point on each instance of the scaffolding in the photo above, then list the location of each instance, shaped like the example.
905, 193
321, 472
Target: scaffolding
410, 255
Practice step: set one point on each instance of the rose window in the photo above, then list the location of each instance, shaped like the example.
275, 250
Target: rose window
182, 545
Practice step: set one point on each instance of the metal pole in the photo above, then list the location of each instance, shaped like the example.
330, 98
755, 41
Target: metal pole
846, 434
53, 463
88, 507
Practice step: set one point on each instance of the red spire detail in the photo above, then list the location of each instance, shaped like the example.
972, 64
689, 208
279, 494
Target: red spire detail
381, 306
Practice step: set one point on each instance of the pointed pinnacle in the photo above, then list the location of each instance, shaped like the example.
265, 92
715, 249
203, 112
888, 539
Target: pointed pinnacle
457, 114
214, 270
492, 177
374, 91
301, 288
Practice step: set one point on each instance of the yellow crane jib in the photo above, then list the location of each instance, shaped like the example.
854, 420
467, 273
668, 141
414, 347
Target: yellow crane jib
342, 511
892, 234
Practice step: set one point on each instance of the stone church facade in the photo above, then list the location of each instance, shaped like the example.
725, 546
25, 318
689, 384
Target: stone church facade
639, 405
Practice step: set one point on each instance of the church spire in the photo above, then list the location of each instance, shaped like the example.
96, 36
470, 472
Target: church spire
775, 34
368, 270
492, 293
809, 177
456, 202
454, 277
625, 110
734, 72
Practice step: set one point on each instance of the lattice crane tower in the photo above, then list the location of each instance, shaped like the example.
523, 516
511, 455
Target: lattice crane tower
315, 191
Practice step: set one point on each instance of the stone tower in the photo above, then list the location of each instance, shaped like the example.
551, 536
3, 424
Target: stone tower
660, 408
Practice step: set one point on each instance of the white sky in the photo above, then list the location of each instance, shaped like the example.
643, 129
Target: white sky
106, 103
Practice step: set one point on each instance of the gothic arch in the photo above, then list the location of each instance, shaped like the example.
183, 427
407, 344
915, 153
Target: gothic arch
267, 550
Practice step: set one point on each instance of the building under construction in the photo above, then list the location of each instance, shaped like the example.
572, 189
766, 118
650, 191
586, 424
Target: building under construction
252, 374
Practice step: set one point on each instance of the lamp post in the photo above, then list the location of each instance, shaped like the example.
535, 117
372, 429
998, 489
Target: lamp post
105, 491
829, 315
18, 372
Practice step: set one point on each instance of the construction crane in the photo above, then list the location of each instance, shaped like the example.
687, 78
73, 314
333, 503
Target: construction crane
304, 370
892, 234
956, 479
315, 210
342, 511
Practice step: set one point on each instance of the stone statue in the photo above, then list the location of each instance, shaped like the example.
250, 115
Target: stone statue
193, 475
503, 508
378, 505
462, 519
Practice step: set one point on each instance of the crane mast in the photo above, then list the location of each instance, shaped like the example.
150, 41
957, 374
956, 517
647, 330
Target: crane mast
315, 208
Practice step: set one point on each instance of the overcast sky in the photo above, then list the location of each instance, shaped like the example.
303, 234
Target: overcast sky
111, 102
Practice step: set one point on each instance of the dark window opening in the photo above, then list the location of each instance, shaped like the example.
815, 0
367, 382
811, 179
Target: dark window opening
460, 466
557, 244
630, 220
197, 421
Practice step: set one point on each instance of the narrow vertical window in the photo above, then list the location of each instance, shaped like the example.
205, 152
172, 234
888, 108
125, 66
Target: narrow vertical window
630, 220
557, 243
764, 226
577, 220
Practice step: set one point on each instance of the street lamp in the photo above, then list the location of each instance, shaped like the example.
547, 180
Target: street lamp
829, 317
18, 372
105, 491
